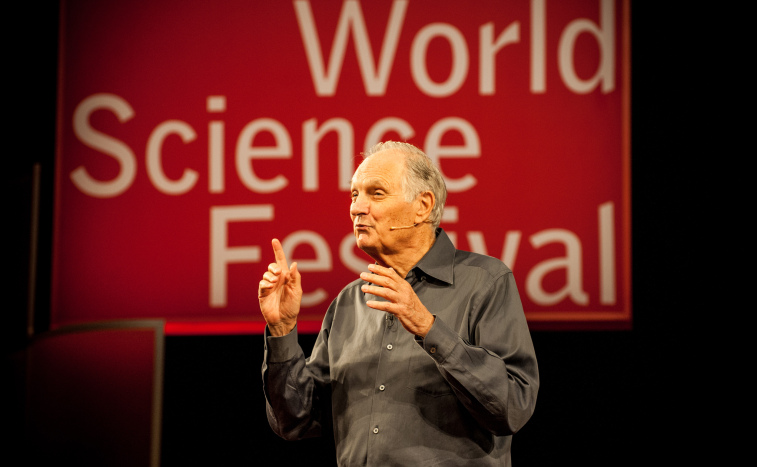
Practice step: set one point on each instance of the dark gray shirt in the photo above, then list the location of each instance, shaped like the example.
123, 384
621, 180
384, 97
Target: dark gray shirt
391, 398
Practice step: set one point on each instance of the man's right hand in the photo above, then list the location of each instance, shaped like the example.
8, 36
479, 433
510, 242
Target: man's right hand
280, 293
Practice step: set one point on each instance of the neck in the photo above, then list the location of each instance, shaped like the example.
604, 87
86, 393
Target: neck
408, 256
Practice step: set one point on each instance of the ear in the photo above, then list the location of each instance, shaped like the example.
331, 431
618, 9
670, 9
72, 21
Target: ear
425, 204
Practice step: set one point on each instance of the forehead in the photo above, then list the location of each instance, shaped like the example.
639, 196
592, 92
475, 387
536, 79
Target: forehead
385, 167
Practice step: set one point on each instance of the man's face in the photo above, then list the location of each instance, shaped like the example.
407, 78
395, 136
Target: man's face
378, 204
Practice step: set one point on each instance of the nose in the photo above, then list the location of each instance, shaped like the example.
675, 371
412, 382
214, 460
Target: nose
359, 206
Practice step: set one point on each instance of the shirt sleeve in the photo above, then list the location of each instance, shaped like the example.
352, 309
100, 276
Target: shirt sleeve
492, 370
296, 389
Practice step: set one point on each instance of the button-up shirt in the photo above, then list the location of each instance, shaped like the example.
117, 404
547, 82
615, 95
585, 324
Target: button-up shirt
454, 397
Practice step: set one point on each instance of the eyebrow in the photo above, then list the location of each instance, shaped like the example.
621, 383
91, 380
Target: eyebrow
373, 182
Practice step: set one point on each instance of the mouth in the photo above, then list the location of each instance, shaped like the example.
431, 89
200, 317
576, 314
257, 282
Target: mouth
357, 225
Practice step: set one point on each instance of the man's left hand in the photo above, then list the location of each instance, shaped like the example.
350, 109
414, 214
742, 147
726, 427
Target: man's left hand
402, 301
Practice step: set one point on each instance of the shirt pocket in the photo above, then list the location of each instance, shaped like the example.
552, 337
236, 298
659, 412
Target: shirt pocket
423, 375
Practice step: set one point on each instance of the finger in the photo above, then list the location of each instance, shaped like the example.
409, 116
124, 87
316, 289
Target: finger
377, 279
382, 292
381, 270
381, 306
271, 277
389, 274
274, 268
264, 288
278, 253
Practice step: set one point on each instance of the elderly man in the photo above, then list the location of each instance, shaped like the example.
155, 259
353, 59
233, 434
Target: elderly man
426, 359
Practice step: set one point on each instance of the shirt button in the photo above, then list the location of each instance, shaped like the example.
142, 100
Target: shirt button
389, 347
375, 430
432, 350
382, 387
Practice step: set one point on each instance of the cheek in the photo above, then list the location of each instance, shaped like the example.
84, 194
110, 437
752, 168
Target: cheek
395, 219
390, 214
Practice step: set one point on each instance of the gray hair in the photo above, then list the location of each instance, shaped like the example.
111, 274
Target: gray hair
420, 175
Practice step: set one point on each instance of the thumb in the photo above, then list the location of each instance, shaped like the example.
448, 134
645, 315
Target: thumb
294, 273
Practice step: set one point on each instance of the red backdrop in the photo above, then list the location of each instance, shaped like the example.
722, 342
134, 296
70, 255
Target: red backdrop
191, 133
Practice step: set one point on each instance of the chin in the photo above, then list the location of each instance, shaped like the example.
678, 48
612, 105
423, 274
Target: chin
365, 245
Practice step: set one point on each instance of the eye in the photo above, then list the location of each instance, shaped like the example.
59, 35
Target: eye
354, 196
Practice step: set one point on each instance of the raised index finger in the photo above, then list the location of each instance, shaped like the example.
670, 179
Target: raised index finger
278, 253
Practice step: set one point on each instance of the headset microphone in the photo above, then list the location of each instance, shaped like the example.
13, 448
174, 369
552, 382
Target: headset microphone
403, 227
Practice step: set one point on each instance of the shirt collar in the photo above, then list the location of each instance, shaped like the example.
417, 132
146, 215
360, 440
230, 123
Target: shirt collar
439, 261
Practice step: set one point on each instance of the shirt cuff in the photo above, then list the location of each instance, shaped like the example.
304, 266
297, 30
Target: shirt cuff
439, 341
281, 349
